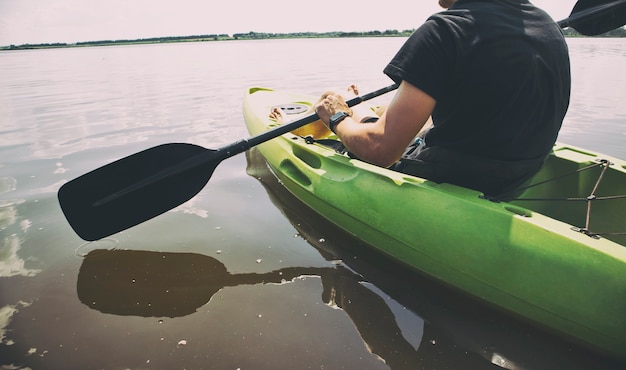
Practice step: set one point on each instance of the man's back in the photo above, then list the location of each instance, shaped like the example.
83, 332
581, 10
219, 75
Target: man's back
499, 71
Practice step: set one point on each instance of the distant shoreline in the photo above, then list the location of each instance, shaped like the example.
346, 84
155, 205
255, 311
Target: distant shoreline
569, 32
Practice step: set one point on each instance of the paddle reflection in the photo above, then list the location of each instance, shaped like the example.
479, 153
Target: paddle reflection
163, 284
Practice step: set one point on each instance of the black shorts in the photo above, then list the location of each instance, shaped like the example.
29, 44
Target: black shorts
490, 176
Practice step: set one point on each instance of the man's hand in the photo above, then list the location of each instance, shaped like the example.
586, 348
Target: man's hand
329, 104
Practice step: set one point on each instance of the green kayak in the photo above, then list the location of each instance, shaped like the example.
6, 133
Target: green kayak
554, 254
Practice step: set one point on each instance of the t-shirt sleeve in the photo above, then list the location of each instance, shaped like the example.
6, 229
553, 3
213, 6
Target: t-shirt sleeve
426, 58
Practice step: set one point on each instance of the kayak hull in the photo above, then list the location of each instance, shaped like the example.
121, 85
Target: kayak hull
523, 256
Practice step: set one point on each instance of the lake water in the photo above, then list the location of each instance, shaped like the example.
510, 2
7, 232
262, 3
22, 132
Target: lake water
242, 276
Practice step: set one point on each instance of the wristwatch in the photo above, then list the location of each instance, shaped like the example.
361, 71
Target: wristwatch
336, 118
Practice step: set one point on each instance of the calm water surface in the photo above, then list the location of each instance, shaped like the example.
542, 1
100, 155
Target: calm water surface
242, 276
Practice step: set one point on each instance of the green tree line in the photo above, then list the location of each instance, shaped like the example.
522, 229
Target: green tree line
569, 32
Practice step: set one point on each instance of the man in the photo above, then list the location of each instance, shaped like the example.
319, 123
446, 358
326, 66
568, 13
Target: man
494, 75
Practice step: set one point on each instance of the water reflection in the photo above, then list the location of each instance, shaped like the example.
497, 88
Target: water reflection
11, 264
6, 313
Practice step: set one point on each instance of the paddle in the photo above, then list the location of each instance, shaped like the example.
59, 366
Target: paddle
139, 187
593, 17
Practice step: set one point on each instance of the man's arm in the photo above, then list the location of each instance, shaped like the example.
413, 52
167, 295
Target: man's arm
383, 142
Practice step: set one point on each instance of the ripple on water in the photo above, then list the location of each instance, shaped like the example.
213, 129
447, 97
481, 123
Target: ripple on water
105, 245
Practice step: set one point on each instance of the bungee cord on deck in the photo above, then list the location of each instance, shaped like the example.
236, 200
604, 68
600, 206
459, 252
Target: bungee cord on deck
591, 198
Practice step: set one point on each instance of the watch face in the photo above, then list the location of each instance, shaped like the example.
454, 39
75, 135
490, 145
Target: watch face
337, 117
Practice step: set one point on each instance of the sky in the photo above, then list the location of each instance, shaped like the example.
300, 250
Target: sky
49, 21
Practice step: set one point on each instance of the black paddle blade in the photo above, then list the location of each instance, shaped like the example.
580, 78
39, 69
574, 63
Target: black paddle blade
136, 188
594, 17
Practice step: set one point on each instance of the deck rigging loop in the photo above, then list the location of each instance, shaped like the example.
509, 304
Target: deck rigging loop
591, 198
512, 195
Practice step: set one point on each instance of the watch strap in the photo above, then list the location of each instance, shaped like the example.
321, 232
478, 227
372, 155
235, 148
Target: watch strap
335, 119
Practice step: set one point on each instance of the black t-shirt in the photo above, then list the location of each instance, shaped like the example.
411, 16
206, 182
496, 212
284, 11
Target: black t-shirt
499, 71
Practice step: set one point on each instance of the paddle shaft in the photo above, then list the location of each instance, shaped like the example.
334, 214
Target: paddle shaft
283, 129
593, 17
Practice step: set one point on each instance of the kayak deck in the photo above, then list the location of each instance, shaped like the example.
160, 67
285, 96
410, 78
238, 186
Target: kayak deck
560, 263
580, 188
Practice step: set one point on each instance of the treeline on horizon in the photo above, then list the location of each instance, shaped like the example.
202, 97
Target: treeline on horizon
569, 32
